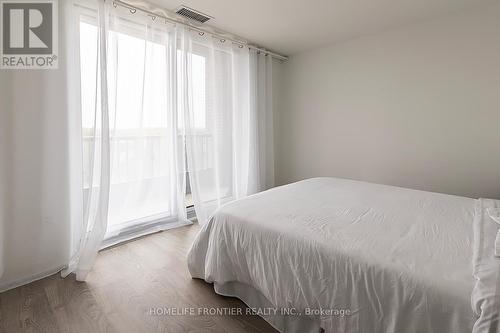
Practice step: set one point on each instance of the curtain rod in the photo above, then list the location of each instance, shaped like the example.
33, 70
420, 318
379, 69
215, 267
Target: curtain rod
201, 31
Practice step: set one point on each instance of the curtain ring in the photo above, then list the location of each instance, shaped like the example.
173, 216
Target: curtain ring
153, 18
114, 4
222, 40
133, 10
201, 33
240, 46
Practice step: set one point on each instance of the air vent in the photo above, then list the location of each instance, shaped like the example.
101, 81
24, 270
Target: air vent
193, 14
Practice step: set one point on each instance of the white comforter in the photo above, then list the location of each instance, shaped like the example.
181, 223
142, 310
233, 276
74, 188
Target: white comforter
486, 269
399, 260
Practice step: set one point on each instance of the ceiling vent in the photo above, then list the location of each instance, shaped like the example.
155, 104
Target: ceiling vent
192, 14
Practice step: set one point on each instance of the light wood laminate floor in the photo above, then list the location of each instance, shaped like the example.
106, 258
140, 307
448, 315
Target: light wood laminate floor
126, 282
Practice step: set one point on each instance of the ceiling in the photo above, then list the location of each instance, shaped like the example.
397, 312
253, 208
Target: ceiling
291, 26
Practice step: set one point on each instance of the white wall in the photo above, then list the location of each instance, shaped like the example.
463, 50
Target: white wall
36, 187
4, 134
416, 107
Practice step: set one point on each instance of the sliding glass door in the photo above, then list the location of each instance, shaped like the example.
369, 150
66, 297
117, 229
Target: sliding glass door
142, 133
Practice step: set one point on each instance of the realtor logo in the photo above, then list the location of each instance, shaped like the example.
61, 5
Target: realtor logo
29, 34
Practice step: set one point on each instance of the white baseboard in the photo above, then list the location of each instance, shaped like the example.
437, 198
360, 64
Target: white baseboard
120, 239
4, 286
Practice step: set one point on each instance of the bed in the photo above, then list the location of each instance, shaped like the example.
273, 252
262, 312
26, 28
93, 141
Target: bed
347, 256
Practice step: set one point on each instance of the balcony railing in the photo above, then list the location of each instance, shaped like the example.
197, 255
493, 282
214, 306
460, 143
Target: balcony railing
136, 157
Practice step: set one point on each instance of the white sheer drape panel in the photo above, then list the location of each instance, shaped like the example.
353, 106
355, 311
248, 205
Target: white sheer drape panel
261, 80
231, 156
97, 165
144, 170
242, 176
132, 156
215, 125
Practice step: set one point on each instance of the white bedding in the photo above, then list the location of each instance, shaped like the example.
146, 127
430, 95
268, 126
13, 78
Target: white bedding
486, 269
400, 260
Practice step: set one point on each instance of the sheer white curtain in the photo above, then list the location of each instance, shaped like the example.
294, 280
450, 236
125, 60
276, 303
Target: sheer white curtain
132, 156
146, 167
92, 227
230, 155
261, 91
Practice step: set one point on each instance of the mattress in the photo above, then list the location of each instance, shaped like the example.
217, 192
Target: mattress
349, 256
